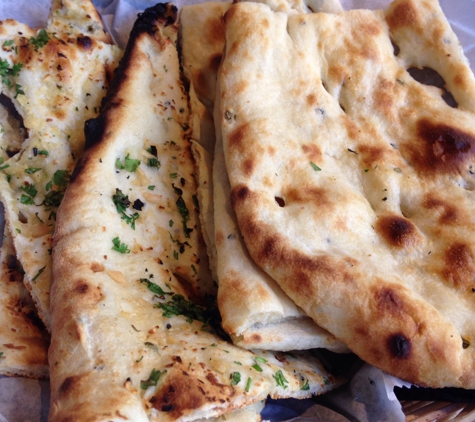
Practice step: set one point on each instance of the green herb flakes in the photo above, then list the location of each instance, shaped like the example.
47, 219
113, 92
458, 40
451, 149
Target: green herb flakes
257, 367
153, 162
155, 288
119, 247
129, 164
280, 379
30, 190
152, 379
41, 39
259, 359
61, 178
238, 363
32, 170
151, 187
235, 378
314, 166
27, 200
122, 202
248, 384
180, 203
178, 305
305, 386
40, 271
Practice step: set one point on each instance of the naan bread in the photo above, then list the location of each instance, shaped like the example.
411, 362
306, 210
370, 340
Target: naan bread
126, 341
255, 312
55, 78
353, 183
23, 340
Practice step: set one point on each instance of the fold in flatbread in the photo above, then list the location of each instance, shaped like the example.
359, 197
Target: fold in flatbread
352, 182
254, 309
55, 78
127, 343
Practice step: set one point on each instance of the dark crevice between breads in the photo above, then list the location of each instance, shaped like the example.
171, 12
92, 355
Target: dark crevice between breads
429, 76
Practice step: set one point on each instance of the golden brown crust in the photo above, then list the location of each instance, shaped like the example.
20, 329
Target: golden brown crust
352, 182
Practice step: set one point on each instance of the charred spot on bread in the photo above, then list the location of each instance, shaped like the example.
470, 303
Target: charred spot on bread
459, 268
399, 346
397, 231
445, 149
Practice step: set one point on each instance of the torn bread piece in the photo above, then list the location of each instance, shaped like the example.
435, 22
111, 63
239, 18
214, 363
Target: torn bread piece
127, 342
352, 182
24, 340
55, 78
255, 312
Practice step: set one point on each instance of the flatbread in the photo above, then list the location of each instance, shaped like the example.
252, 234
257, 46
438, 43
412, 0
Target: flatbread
55, 78
255, 312
23, 340
126, 341
352, 182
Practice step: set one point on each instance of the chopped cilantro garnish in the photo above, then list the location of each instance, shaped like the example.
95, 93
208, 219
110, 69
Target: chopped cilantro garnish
32, 170
53, 198
6, 72
27, 200
61, 178
129, 164
151, 187
18, 90
175, 254
170, 223
155, 288
40, 271
248, 384
153, 162
238, 363
8, 43
280, 379
30, 190
152, 379
306, 386
259, 359
173, 175
178, 305
43, 152
119, 247
257, 367
235, 378
180, 202
41, 39
122, 202
4, 167
314, 166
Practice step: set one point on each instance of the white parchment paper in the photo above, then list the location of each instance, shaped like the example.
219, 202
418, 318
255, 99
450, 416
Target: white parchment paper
368, 397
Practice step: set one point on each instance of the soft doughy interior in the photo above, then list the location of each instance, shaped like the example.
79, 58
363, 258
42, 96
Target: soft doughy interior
254, 309
352, 182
